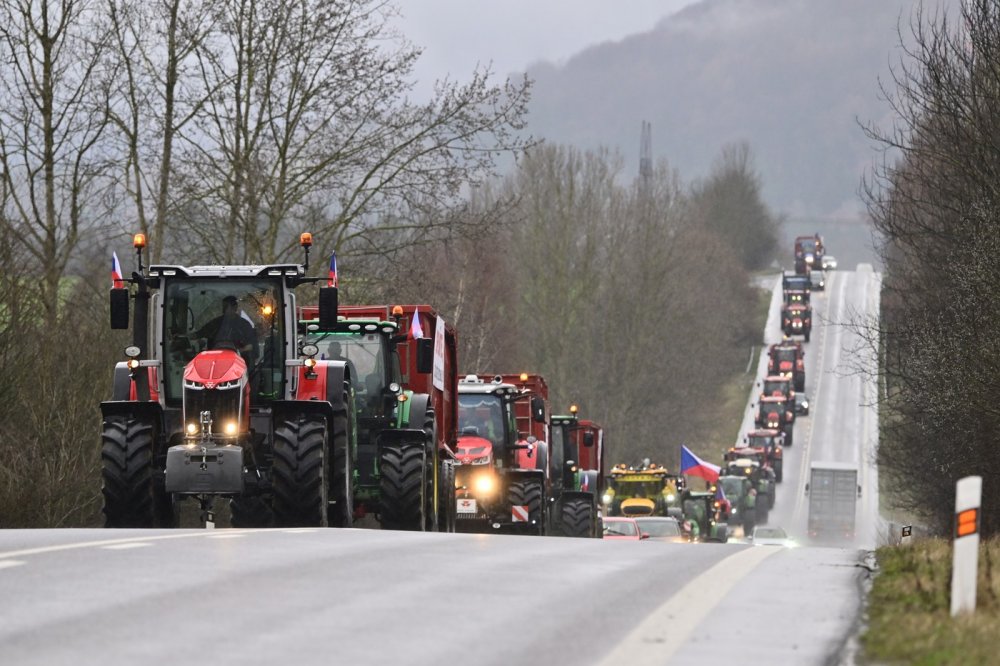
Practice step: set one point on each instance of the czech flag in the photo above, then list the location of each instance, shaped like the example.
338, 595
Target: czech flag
117, 281
692, 465
416, 330
332, 280
720, 493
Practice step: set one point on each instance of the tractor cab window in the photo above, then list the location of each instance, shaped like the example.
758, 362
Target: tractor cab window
482, 415
365, 354
732, 485
243, 315
785, 355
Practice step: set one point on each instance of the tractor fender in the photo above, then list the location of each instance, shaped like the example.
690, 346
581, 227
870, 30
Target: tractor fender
121, 383
419, 404
514, 475
568, 495
148, 411
282, 408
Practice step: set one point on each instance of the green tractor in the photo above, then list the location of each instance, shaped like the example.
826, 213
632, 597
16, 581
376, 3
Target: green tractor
703, 519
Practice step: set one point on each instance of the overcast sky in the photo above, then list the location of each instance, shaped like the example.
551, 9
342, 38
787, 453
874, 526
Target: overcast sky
457, 34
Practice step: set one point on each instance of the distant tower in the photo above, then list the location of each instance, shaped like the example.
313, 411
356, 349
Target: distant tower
646, 152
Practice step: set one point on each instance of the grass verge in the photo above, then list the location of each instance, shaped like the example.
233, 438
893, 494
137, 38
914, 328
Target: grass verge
908, 608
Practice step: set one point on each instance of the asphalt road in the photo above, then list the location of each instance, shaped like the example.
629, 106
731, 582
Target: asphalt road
370, 597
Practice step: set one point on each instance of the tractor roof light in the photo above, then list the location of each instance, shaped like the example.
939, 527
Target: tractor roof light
132, 363
524, 376
139, 241
397, 310
306, 239
573, 409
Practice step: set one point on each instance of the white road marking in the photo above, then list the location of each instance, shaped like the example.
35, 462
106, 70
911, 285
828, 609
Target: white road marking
304, 530
110, 542
226, 536
127, 546
667, 628
7, 564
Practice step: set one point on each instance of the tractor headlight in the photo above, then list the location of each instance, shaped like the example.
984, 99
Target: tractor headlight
606, 499
231, 428
484, 484
192, 428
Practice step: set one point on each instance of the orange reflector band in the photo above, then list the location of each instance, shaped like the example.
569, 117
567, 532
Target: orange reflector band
967, 523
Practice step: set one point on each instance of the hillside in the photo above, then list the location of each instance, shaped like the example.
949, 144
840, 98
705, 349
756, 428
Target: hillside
791, 77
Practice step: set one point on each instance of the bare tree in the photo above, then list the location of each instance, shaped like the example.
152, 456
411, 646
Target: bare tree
311, 127
53, 116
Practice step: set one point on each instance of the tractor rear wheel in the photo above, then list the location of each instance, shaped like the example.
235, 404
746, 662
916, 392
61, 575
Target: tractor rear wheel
434, 509
132, 496
300, 471
403, 473
777, 471
343, 436
576, 517
528, 493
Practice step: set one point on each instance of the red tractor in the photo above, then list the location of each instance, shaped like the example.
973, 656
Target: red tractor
776, 413
502, 477
392, 364
225, 404
769, 444
788, 359
796, 319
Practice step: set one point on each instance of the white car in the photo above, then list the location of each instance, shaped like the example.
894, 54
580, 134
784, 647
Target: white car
829, 262
770, 536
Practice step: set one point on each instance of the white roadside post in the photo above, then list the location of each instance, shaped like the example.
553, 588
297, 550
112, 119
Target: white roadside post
965, 563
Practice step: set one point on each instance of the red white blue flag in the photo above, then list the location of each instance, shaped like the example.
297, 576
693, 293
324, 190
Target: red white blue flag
416, 330
117, 281
332, 280
692, 465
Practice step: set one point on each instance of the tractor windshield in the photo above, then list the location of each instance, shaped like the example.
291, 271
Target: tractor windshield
776, 387
785, 355
481, 415
366, 356
732, 486
245, 315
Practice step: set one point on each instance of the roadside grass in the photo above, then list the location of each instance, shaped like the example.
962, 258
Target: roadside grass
908, 608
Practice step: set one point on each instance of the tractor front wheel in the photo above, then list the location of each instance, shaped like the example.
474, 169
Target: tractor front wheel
300, 471
576, 517
529, 493
403, 473
132, 496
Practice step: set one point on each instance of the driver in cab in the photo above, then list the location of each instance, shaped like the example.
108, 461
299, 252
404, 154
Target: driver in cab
230, 330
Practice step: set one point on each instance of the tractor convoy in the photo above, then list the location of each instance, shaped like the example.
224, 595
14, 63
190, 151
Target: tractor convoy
255, 386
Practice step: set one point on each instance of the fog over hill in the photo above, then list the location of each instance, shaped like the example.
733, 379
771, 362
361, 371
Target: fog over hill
790, 77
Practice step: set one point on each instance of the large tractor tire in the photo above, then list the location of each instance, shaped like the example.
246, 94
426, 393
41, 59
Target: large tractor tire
446, 499
252, 511
778, 467
529, 493
342, 443
132, 496
435, 509
800, 382
300, 471
403, 473
576, 518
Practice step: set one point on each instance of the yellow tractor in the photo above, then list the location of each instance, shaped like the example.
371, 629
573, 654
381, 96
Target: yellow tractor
647, 490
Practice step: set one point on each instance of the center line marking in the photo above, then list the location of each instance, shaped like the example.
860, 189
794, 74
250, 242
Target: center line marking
226, 536
7, 564
127, 546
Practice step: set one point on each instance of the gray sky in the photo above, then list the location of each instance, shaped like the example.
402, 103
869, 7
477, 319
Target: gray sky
457, 34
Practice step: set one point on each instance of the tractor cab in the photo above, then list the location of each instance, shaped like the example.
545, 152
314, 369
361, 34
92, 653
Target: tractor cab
644, 491
777, 385
774, 412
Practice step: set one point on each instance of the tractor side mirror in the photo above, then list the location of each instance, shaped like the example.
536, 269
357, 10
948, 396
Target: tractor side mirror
588, 438
119, 309
327, 308
537, 409
425, 355
807, 489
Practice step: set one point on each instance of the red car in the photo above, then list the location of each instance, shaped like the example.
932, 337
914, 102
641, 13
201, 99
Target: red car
623, 529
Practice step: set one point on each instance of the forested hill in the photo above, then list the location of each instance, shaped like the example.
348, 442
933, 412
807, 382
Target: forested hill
791, 77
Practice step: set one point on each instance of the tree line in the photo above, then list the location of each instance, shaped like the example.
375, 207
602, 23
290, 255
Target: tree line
934, 201
222, 130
